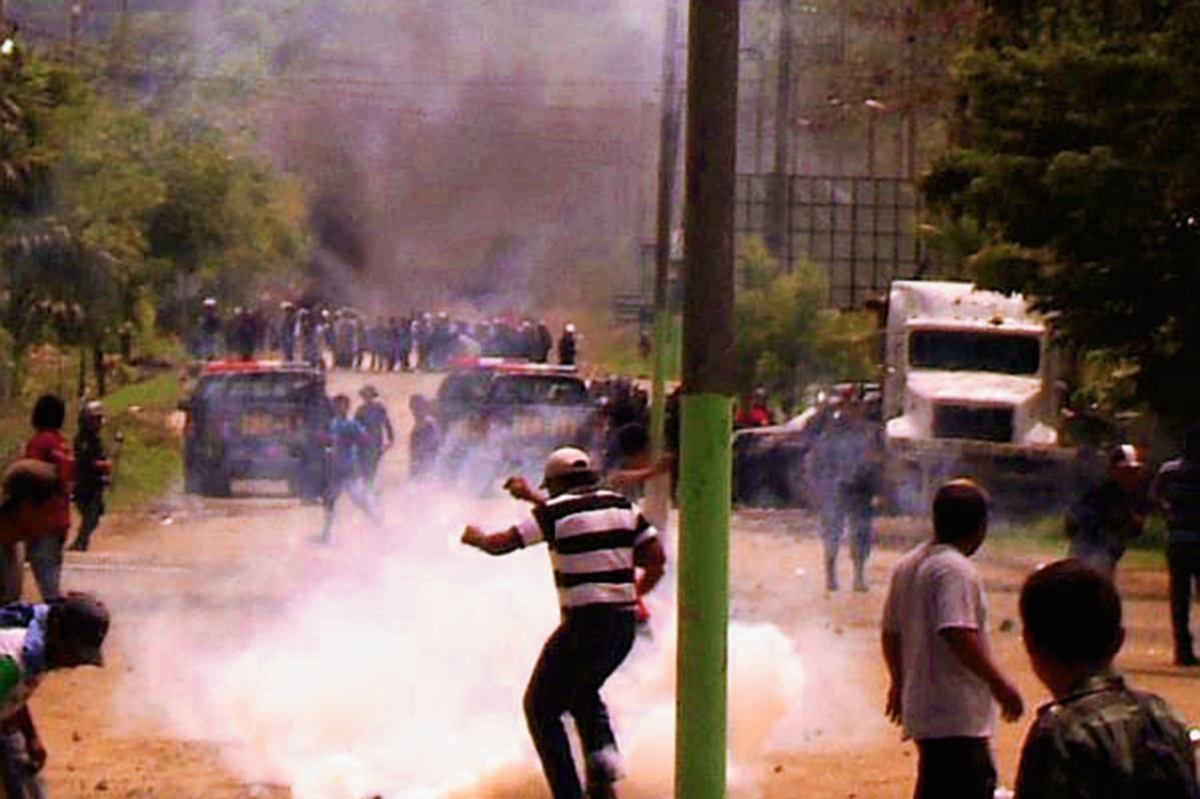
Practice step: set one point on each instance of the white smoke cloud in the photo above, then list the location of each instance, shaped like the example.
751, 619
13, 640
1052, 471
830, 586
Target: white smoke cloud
393, 663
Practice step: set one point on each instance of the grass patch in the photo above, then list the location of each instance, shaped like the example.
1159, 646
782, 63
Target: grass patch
150, 460
1041, 536
1044, 537
616, 350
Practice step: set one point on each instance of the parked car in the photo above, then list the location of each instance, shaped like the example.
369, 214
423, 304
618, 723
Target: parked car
255, 420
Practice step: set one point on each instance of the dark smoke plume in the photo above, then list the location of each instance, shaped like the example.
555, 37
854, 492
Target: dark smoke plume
463, 152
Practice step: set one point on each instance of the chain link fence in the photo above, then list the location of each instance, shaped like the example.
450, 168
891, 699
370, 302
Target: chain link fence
860, 230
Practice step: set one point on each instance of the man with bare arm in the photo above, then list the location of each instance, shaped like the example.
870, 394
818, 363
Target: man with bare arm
606, 556
944, 678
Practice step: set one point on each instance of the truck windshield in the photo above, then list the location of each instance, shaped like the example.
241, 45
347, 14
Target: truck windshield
959, 350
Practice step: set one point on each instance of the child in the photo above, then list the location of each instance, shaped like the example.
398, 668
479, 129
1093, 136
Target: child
1098, 738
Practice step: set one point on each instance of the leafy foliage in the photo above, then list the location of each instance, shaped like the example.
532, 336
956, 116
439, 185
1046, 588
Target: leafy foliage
786, 336
104, 207
1075, 158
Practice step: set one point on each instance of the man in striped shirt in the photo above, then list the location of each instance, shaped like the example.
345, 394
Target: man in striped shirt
606, 556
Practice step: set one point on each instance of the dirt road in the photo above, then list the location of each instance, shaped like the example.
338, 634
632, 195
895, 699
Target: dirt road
246, 662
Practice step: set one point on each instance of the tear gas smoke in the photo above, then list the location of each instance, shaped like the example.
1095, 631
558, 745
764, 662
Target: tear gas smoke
397, 662
468, 150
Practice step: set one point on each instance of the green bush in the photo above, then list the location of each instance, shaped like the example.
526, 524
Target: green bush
149, 460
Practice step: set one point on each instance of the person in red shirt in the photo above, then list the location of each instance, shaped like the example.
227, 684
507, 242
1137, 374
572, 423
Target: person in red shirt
45, 554
758, 414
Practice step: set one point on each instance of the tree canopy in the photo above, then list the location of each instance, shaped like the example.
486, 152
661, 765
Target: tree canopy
1075, 160
105, 208
787, 336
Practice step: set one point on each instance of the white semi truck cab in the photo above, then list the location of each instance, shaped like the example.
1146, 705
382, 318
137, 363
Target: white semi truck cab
970, 389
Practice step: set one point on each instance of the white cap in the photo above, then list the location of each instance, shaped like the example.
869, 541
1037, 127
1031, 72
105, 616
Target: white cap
1125, 455
566, 460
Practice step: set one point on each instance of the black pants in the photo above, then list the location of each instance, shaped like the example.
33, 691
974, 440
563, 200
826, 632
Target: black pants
955, 768
91, 508
1183, 569
576, 660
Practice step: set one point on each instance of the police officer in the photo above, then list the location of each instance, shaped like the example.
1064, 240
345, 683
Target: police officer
568, 350
209, 337
843, 470
310, 338
287, 331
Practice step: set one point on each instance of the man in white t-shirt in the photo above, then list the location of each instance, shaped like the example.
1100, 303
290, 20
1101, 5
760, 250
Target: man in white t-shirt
943, 675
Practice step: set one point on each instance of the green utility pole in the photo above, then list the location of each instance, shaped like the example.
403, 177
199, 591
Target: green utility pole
658, 500
708, 390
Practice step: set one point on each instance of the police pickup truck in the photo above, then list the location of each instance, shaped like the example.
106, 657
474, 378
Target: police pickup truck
499, 417
255, 420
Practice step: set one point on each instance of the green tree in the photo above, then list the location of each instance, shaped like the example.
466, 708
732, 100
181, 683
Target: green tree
105, 210
227, 224
38, 250
1075, 156
787, 338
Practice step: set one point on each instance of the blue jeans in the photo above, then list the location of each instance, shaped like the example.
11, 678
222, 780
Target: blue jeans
839, 508
575, 662
45, 556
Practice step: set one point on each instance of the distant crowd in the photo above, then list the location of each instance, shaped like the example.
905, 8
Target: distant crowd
345, 338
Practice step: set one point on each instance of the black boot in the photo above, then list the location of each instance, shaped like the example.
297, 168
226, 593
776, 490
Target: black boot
831, 579
860, 576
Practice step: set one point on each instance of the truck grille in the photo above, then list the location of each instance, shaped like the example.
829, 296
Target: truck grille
988, 423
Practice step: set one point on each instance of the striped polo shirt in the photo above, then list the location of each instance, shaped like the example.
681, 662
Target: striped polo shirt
591, 536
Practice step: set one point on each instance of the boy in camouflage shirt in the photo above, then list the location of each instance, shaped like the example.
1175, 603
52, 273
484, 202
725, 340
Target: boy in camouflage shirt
1098, 739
